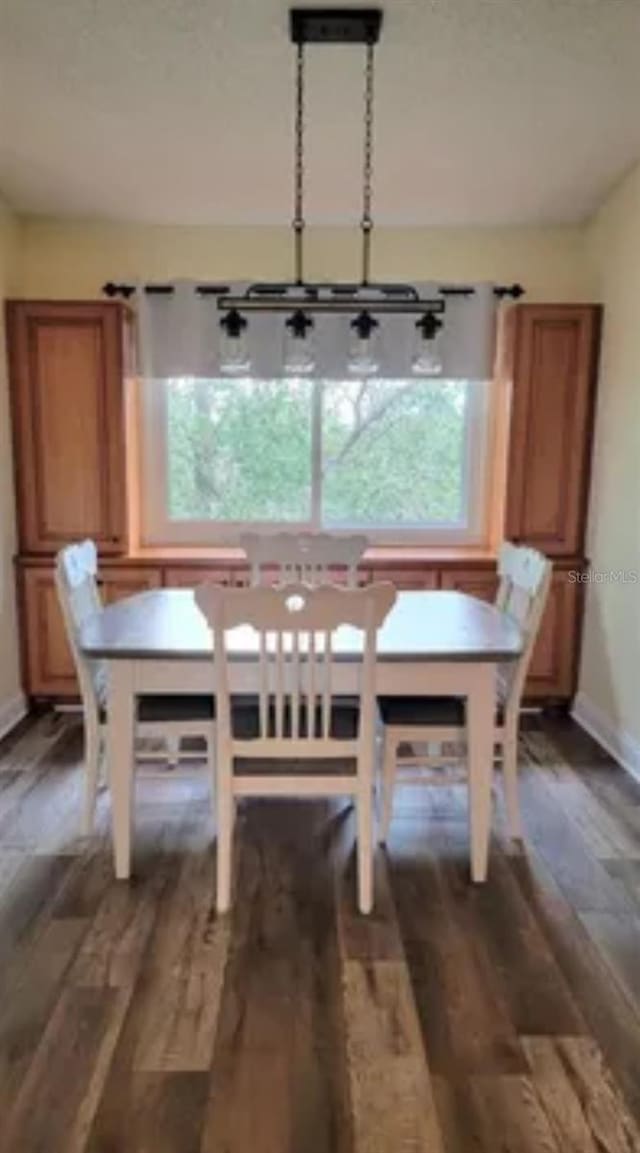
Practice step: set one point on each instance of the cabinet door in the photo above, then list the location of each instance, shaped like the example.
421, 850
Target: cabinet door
48, 663
554, 365
66, 363
553, 668
482, 583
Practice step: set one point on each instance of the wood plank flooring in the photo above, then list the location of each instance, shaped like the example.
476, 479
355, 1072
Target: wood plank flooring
456, 1019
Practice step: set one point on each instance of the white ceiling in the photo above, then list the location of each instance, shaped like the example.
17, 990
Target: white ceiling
487, 111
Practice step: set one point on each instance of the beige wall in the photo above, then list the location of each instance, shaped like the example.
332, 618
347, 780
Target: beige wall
610, 674
9, 664
74, 259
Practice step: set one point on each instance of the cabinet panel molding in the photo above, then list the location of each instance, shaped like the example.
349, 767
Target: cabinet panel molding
554, 354
67, 386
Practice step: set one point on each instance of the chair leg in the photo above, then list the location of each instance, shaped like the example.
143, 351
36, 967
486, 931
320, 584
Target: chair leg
225, 821
510, 783
389, 768
172, 741
92, 758
364, 810
211, 768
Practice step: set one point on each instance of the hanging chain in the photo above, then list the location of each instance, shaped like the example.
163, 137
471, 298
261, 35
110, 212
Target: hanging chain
298, 217
366, 224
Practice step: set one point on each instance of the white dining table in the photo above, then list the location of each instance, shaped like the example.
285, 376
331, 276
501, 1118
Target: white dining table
439, 643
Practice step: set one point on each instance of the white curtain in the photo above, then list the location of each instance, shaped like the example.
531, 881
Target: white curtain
180, 336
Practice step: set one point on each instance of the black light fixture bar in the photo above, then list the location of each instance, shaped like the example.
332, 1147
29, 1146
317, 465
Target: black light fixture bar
335, 305
335, 25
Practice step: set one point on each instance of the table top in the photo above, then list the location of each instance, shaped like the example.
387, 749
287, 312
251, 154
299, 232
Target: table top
166, 624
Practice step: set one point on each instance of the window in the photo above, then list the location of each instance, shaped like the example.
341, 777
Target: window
400, 459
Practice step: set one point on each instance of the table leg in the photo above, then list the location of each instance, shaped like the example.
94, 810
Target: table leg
120, 745
481, 703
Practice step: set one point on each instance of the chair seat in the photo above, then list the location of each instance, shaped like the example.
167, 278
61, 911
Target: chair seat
425, 712
245, 719
161, 708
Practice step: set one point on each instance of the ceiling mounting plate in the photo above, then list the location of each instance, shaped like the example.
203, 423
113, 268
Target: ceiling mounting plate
335, 25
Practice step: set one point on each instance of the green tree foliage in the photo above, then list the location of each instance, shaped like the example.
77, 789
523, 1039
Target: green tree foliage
392, 451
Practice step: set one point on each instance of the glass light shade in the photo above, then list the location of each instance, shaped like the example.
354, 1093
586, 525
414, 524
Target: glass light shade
363, 346
299, 347
427, 352
234, 350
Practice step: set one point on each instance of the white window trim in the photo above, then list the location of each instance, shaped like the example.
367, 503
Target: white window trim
158, 530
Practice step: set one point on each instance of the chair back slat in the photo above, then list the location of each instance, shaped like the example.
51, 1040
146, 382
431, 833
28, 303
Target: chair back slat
304, 558
296, 627
326, 685
525, 578
79, 597
311, 687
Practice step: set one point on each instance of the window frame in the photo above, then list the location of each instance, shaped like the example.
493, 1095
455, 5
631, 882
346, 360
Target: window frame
158, 530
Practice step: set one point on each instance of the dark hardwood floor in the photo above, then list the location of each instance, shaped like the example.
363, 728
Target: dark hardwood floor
495, 1019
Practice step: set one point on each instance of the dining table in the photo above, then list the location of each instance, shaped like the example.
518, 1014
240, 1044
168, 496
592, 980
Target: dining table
432, 643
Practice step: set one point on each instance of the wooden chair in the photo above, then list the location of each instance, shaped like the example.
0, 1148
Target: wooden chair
295, 718
171, 717
310, 558
525, 576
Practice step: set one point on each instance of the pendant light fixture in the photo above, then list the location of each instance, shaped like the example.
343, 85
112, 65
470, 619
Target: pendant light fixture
365, 302
365, 298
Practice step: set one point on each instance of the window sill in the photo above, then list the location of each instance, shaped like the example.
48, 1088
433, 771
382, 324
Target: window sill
395, 556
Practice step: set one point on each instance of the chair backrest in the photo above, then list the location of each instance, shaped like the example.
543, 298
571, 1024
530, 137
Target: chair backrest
296, 626
307, 558
79, 596
525, 577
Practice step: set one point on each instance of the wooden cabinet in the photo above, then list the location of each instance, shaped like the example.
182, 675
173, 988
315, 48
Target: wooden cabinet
421, 578
550, 357
553, 668
554, 662
190, 576
126, 581
67, 368
482, 583
48, 664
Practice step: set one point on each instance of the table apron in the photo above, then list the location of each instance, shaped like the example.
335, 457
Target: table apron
393, 678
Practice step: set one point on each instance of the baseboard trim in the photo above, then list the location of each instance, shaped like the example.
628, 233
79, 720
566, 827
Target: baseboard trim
617, 741
11, 712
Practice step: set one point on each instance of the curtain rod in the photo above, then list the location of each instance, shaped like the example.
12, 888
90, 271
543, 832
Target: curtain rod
110, 289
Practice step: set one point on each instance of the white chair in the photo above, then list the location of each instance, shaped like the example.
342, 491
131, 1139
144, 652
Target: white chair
310, 558
295, 718
171, 717
525, 576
